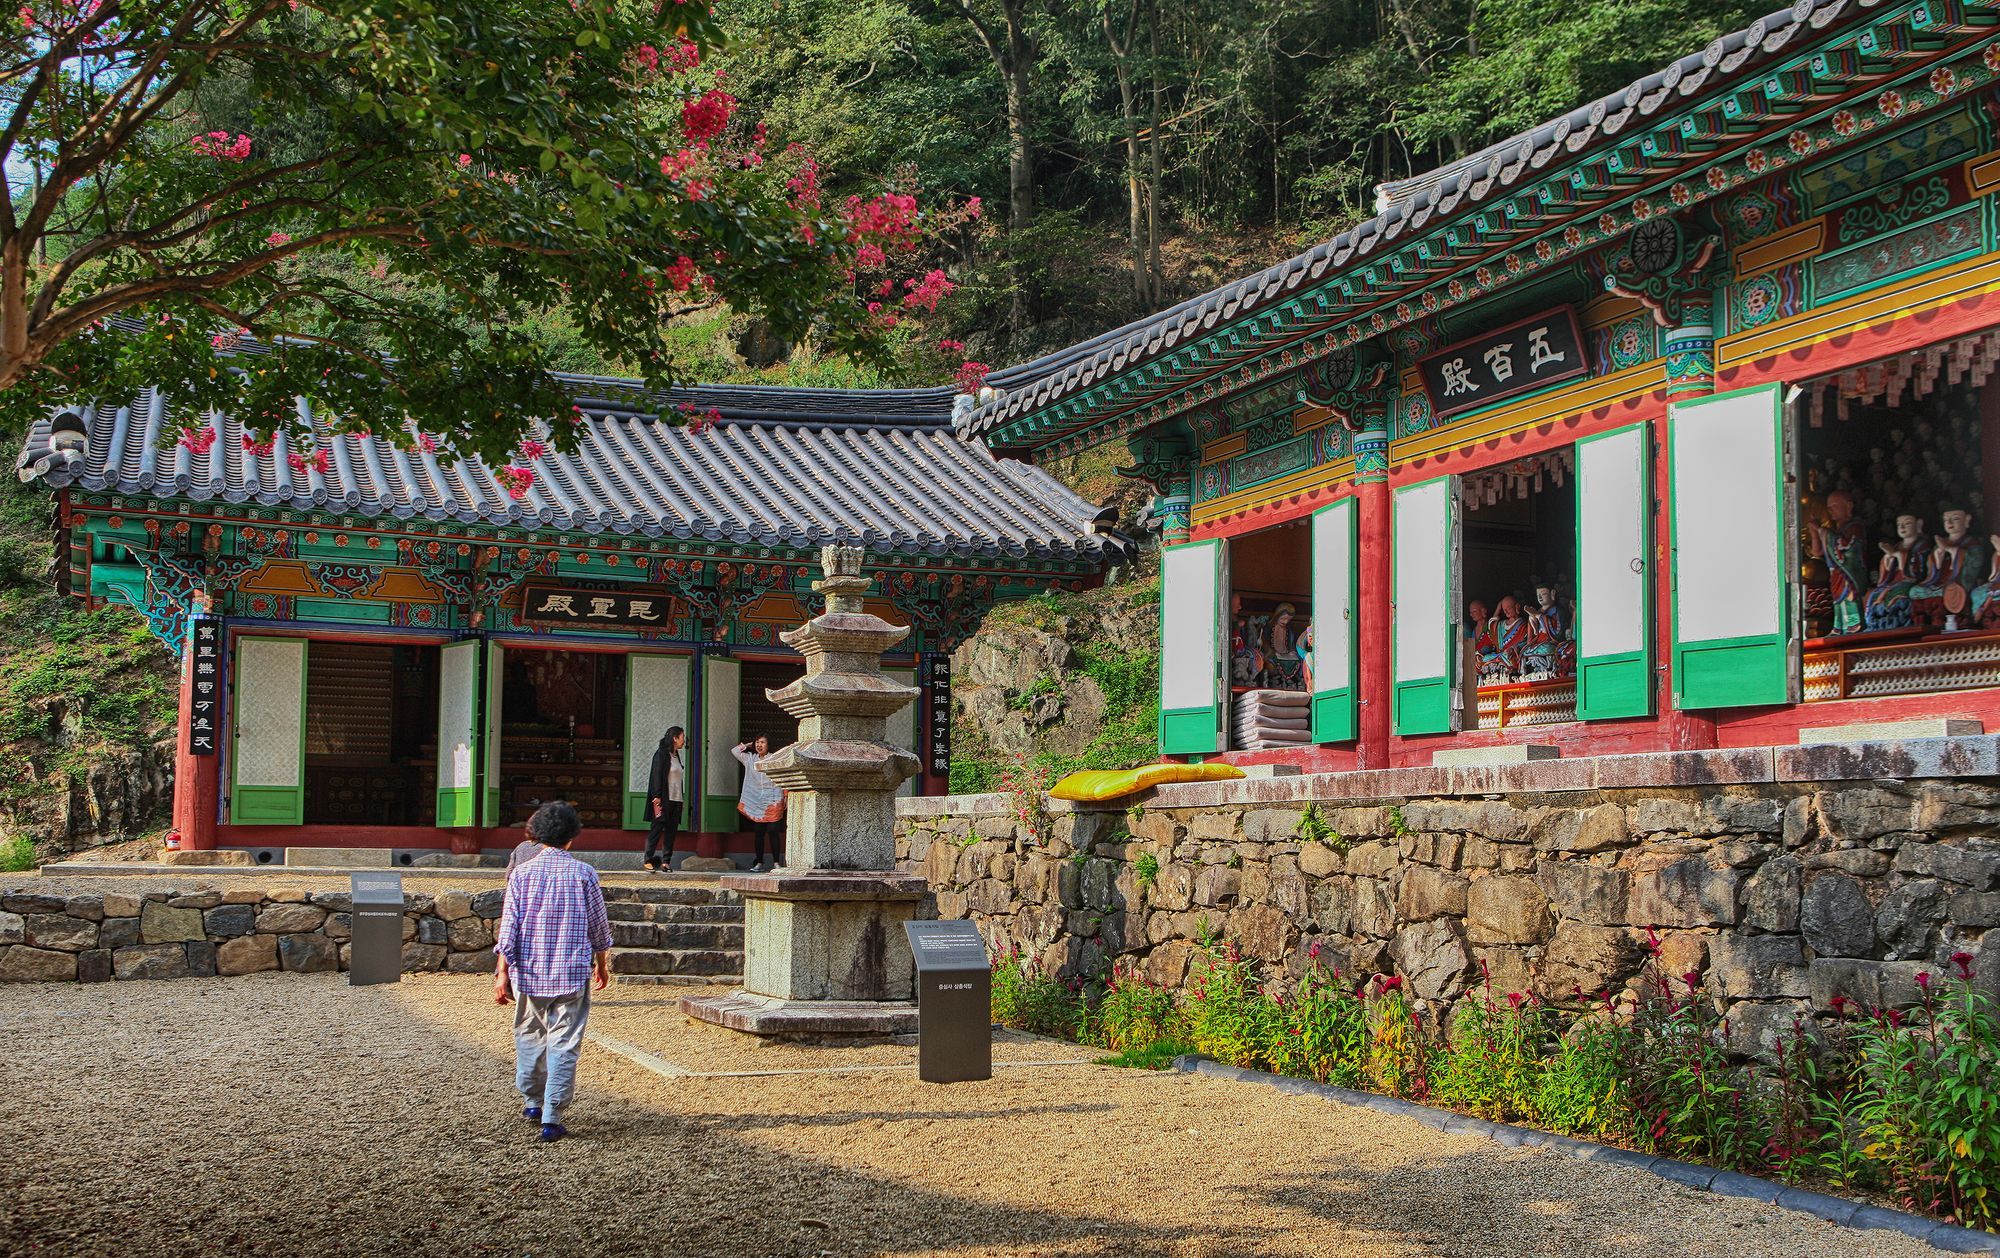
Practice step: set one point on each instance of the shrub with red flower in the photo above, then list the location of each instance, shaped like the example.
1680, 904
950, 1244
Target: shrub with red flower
221, 146
707, 115
516, 480
970, 377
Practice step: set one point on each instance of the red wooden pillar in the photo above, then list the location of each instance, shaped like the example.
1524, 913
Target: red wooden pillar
1374, 596
197, 779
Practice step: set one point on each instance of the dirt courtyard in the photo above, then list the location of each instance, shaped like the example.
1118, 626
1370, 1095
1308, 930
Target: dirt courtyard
292, 1114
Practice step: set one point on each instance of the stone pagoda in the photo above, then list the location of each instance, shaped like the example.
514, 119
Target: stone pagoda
825, 956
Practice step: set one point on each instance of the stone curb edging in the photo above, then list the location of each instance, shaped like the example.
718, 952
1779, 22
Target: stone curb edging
1836, 1210
122, 869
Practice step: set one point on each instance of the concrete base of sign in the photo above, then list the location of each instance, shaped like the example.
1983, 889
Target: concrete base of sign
1479, 757
1892, 731
808, 1021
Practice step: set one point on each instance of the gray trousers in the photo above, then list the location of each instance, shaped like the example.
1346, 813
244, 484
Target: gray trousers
548, 1036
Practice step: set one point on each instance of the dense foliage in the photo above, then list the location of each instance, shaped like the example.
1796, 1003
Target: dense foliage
380, 202
1896, 1101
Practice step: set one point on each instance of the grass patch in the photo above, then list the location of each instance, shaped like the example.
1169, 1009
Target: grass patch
17, 854
1158, 1055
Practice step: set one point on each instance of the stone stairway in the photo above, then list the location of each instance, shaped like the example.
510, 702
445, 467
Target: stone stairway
675, 932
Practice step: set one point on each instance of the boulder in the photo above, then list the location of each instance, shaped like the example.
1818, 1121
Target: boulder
423, 957
1333, 905
152, 960
60, 932
118, 932
94, 966
1426, 893
88, 907
161, 923
118, 904
1506, 908
431, 930
33, 902
230, 920
1979, 870
1968, 908
452, 905
1909, 916
1585, 960
1374, 908
201, 960
487, 903
1167, 964
1217, 885
1432, 958
1686, 892
290, 919
1869, 985
1586, 892
338, 927
1758, 1028
480, 962
470, 934
13, 928
1771, 896
1864, 813
1262, 932
1836, 917
246, 954
1757, 967
304, 953
22, 964
1318, 860
196, 900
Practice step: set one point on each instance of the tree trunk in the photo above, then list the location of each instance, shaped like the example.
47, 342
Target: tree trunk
1128, 116
1156, 277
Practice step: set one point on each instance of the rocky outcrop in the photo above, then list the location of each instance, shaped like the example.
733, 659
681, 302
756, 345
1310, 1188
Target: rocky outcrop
1781, 897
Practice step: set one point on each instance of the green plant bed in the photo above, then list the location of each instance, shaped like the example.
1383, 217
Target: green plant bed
1158, 1055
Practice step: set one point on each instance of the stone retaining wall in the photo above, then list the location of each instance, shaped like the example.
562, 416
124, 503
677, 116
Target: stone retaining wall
1780, 894
172, 934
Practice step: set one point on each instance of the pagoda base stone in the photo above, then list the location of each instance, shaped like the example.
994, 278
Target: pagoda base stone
805, 1021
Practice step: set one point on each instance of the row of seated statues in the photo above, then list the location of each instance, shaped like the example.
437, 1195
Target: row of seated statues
1937, 582
1269, 650
1519, 643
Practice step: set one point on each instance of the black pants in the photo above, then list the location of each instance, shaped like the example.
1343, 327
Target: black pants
660, 837
771, 834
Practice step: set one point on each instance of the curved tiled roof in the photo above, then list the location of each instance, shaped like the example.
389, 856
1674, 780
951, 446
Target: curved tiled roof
906, 485
1407, 205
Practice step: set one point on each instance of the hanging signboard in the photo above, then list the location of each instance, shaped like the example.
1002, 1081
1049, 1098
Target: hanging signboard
937, 733
611, 609
1504, 363
205, 706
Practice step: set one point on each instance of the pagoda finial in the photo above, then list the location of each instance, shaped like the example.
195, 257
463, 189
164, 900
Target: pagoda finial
843, 583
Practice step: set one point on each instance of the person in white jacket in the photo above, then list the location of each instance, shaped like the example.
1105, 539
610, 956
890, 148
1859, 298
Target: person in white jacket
762, 803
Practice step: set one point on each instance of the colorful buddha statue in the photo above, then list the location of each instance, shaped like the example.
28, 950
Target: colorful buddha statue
1559, 625
1514, 635
1905, 563
1478, 630
1985, 607
1840, 541
1282, 656
1958, 562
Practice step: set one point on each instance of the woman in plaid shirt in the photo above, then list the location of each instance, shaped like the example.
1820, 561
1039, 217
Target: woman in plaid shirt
554, 948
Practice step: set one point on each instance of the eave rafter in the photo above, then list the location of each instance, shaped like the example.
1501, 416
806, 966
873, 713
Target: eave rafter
1570, 212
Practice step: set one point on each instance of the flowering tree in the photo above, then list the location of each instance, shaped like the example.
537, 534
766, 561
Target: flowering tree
368, 202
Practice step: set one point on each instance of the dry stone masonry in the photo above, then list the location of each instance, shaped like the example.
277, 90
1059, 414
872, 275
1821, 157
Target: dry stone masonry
1781, 895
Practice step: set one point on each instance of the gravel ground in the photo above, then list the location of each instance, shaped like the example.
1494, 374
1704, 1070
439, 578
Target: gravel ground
291, 1114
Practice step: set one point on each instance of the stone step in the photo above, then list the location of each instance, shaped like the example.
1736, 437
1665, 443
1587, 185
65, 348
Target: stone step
672, 913
677, 980
725, 935
702, 962
670, 893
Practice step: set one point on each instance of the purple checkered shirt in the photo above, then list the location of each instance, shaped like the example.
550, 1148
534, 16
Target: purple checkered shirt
552, 922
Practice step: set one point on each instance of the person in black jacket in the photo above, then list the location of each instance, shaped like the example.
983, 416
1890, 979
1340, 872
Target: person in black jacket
666, 795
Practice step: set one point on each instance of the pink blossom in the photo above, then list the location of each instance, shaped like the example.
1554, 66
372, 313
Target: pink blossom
516, 480
532, 449
972, 208
698, 421
925, 294
197, 441
1963, 960
219, 145
870, 255
971, 376
256, 445
277, 238
804, 188
317, 461
683, 275
951, 347
427, 443
705, 117
464, 160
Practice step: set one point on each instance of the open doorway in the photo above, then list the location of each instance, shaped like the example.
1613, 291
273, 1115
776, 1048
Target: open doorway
758, 714
1270, 623
562, 727
370, 728
1519, 627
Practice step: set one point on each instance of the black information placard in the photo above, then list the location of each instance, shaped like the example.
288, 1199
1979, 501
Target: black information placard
611, 609
946, 946
205, 638
937, 733
1516, 359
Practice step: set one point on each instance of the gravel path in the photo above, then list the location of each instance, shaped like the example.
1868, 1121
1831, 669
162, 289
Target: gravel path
291, 1114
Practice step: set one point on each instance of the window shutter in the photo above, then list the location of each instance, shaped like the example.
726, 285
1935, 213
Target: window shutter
269, 755
1335, 644
491, 710
656, 700
1193, 647
721, 728
1426, 613
1614, 574
458, 733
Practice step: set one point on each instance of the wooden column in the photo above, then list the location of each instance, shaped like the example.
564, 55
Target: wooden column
1374, 593
197, 779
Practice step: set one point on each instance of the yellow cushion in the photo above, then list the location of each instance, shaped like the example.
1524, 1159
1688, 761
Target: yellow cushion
1094, 785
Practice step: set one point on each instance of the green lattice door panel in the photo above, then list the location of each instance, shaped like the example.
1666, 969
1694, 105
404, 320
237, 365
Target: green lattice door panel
721, 729
457, 734
1614, 574
1335, 646
656, 699
268, 761
1424, 622
1732, 557
493, 685
1194, 584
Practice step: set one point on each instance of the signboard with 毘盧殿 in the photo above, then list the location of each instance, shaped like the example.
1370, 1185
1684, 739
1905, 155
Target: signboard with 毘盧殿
1493, 366
608, 609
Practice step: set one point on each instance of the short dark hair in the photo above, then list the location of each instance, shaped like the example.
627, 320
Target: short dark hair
554, 824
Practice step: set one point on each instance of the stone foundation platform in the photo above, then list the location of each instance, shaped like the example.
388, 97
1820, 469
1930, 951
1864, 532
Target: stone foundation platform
804, 1021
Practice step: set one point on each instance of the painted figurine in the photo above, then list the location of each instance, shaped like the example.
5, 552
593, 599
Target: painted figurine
1986, 598
1905, 563
1513, 635
1559, 621
1957, 559
1840, 541
1282, 659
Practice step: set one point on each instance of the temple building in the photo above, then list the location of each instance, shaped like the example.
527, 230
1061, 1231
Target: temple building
395, 652
1670, 424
